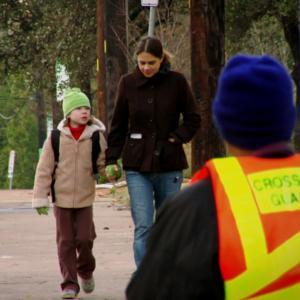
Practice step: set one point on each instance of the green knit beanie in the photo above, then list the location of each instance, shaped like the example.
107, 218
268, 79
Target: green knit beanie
74, 98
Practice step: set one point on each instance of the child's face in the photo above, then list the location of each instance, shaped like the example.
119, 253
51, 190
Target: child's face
80, 116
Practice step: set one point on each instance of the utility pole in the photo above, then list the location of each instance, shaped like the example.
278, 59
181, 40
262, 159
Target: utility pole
207, 54
111, 53
100, 64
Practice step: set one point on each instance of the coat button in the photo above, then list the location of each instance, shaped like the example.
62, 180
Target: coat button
156, 153
150, 121
150, 100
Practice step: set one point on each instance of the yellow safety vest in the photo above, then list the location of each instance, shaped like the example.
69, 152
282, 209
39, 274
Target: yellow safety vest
258, 209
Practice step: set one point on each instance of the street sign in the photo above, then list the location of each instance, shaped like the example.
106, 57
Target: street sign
149, 3
11, 164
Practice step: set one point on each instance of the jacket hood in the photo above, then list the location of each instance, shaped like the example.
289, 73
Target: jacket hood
95, 125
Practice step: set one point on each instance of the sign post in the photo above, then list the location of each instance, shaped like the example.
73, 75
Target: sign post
152, 4
11, 165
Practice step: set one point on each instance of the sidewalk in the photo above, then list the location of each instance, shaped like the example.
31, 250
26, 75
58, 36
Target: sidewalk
29, 266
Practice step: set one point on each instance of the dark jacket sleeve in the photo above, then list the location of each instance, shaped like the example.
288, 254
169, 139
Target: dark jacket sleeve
119, 126
191, 118
182, 257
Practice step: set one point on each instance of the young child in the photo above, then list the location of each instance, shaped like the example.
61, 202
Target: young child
74, 191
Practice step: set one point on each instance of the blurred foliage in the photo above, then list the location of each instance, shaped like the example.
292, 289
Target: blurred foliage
263, 26
18, 131
35, 33
241, 14
256, 40
22, 137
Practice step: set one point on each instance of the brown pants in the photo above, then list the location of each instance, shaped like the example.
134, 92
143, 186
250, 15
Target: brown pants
75, 234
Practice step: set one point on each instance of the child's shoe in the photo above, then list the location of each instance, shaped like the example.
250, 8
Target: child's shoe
69, 294
88, 285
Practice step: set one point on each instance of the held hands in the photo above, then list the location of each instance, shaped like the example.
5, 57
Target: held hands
112, 172
42, 210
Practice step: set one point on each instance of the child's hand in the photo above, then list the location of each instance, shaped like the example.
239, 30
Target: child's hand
42, 210
112, 172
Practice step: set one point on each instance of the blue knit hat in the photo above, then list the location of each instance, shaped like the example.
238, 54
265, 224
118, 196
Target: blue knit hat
254, 104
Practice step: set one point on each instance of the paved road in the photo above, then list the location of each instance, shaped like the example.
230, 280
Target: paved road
28, 263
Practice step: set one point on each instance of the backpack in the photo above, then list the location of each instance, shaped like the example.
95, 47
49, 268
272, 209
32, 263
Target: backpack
96, 149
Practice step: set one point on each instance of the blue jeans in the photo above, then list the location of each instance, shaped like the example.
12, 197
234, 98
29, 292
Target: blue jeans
147, 192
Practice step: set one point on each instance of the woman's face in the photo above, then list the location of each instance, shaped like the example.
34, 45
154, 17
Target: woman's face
148, 64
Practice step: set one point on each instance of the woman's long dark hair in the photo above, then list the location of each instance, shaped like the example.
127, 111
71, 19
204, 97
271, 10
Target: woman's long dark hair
153, 46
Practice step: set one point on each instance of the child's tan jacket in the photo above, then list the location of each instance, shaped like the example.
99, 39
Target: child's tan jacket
74, 180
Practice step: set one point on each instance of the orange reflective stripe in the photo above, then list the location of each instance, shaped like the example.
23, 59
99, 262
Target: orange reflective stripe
263, 268
281, 284
290, 293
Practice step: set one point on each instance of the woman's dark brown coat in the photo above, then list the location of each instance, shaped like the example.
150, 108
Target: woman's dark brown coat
146, 114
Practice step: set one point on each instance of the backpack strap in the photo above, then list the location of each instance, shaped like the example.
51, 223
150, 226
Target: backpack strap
96, 149
55, 139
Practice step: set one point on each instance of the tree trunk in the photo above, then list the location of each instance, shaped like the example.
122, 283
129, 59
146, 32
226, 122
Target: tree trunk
41, 117
85, 84
56, 110
116, 47
101, 78
207, 52
292, 36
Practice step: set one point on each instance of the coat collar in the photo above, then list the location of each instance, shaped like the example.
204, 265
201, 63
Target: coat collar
141, 80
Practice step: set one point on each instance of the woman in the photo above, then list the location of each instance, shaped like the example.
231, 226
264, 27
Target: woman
146, 129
